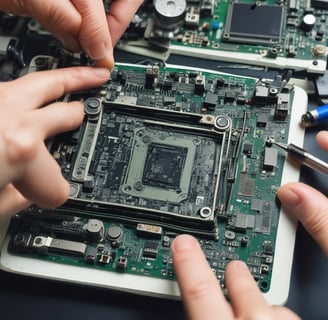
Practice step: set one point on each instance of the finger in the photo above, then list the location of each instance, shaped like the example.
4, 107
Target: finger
322, 138
11, 201
245, 296
284, 313
41, 87
120, 15
42, 182
23, 140
199, 287
311, 208
94, 35
58, 118
23, 143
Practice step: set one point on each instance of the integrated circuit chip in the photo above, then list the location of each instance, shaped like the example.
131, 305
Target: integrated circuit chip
164, 165
270, 159
253, 23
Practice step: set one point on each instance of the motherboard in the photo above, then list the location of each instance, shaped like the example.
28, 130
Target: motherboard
165, 150
282, 34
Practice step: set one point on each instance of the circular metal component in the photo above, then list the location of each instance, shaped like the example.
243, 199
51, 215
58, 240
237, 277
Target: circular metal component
222, 123
138, 186
92, 106
197, 141
319, 50
273, 53
146, 139
169, 13
74, 189
308, 22
95, 229
273, 91
170, 8
114, 234
205, 212
229, 235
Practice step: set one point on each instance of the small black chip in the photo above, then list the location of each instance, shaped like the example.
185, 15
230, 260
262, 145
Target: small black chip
210, 100
164, 165
150, 250
248, 148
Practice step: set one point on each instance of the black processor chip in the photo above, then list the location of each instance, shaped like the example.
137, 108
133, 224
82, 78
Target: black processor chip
164, 165
254, 24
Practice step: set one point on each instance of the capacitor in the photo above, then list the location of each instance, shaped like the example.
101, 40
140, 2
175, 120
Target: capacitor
114, 234
215, 25
170, 13
308, 22
95, 229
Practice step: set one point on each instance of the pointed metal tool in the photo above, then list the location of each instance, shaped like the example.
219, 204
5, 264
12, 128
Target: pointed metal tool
303, 157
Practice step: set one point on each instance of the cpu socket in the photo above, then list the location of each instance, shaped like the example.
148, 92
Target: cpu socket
156, 169
253, 23
174, 170
161, 165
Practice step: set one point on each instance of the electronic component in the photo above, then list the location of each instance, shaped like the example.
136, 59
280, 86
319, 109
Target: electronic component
115, 234
164, 150
270, 159
149, 230
245, 23
266, 33
95, 230
46, 245
122, 263
150, 249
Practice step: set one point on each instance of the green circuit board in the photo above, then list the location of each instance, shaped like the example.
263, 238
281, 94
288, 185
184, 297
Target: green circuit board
287, 34
166, 150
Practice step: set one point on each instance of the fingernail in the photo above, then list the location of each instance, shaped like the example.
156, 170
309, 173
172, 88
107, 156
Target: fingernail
70, 43
237, 266
290, 199
240, 265
107, 62
184, 242
97, 52
101, 72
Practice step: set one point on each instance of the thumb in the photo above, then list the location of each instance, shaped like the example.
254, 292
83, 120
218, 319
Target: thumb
310, 207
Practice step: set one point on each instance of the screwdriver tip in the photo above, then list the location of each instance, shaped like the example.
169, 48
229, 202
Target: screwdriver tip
281, 145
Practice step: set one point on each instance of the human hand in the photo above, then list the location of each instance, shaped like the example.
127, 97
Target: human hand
308, 204
202, 294
80, 24
28, 172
